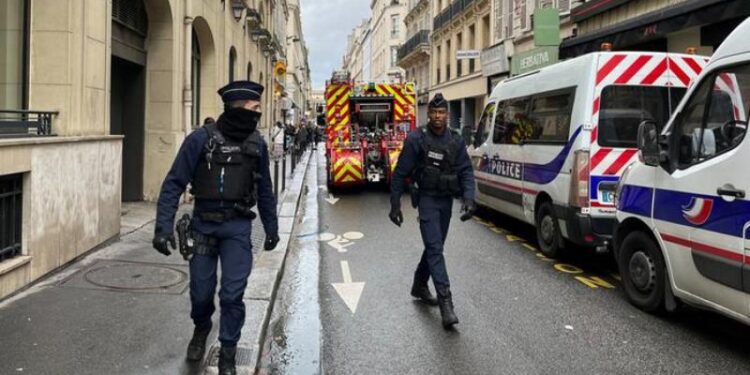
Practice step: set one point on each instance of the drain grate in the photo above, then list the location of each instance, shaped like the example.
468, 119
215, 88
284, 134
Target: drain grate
243, 357
132, 277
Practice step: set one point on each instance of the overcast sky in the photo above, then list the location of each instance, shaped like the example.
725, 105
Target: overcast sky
326, 24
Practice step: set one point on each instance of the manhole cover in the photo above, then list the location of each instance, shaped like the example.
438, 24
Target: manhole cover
134, 276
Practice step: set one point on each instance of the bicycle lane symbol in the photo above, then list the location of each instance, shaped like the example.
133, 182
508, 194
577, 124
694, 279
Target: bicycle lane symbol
340, 243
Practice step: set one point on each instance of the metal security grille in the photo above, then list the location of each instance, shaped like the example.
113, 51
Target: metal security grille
11, 193
132, 14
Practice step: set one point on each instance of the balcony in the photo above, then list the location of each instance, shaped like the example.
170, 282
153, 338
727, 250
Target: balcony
253, 18
451, 12
20, 123
420, 39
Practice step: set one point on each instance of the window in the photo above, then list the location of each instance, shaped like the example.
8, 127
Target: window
249, 71
512, 125
11, 200
550, 117
195, 80
483, 126
715, 119
395, 26
232, 63
14, 34
623, 108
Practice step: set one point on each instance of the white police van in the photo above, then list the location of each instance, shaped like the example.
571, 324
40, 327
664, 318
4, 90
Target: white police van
683, 214
549, 138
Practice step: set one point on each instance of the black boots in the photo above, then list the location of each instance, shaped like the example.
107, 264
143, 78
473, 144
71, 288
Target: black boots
445, 301
421, 292
197, 346
226, 361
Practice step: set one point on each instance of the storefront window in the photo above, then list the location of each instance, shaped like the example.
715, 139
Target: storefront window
13, 54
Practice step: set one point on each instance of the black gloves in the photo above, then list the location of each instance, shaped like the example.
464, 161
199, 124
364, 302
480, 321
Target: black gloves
161, 243
395, 215
271, 241
468, 207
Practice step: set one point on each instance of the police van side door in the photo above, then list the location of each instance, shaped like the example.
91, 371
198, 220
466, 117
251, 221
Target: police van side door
701, 208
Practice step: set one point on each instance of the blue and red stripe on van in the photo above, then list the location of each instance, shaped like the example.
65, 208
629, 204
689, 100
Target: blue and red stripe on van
706, 212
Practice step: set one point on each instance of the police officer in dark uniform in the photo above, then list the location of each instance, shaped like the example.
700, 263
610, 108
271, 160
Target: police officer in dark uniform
227, 165
436, 160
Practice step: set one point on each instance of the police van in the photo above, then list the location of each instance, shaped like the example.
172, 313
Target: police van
682, 210
547, 139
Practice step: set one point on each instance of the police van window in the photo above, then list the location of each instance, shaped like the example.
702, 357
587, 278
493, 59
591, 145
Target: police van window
624, 108
550, 117
512, 124
483, 126
714, 121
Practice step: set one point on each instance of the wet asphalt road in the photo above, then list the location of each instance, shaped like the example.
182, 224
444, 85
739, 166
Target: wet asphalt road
519, 313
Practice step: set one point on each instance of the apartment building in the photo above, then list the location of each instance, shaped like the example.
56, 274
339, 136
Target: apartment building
414, 54
387, 35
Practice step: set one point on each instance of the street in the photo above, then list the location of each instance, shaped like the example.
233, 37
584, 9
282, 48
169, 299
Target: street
520, 313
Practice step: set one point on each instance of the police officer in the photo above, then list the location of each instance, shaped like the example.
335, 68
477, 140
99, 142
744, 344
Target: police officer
227, 165
435, 158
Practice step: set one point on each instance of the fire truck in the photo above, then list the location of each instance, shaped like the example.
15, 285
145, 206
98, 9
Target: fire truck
366, 124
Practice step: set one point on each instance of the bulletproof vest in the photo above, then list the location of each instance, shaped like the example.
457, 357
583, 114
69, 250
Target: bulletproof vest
435, 172
228, 170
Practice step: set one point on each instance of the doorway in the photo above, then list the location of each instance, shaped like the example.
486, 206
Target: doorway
127, 116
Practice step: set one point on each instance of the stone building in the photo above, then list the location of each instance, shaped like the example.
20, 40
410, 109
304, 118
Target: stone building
95, 100
414, 55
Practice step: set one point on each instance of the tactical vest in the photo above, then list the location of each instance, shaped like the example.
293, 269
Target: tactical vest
228, 170
435, 172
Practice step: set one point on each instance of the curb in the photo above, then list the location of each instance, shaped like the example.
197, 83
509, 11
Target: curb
264, 281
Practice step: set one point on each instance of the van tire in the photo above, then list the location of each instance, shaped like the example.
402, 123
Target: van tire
548, 230
643, 271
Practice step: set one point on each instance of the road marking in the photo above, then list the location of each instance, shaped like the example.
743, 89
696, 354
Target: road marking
512, 238
331, 199
340, 243
353, 235
325, 237
529, 247
567, 268
349, 291
594, 282
497, 230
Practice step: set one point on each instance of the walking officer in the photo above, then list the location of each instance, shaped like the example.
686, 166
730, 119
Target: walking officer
436, 160
227, 165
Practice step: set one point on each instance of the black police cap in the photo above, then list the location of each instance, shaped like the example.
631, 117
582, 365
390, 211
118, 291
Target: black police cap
241, 90
438, 101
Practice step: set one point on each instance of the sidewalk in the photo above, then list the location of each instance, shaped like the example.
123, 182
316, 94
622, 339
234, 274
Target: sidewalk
125, 309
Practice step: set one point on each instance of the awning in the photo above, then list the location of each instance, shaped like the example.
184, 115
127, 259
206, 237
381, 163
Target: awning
656, 25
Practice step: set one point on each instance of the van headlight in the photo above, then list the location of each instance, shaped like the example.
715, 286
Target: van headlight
621, 183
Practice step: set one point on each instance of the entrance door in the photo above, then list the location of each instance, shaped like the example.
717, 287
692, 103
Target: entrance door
127, 118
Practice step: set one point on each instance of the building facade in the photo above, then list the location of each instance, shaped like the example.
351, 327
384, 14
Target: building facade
414, 55
297, 67
387, 34
95, 100
460, 28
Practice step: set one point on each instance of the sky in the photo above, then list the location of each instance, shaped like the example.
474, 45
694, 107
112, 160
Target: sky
326, 24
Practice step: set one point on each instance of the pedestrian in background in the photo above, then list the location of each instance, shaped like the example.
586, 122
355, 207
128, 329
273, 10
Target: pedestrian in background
436, 160
227, 164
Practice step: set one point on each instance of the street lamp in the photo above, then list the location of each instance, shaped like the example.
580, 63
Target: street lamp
238, 6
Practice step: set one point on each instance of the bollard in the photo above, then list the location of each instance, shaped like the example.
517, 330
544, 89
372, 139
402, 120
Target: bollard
283, 173
276, 178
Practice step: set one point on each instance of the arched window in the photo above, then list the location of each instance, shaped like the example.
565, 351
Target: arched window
195, 80
232, 63
249, 71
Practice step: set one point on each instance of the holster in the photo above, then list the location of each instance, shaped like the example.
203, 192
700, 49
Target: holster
184, 237
205, 245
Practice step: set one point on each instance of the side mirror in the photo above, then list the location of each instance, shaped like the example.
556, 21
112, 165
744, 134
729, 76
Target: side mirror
648, 143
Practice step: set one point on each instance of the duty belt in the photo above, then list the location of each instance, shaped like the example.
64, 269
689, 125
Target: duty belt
218, 216
205, 245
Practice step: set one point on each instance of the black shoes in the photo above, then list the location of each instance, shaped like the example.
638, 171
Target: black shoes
197, 347
226, 361
422, 293
445, 301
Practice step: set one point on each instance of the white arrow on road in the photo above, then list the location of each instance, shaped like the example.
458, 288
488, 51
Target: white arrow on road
331, 199
348, 290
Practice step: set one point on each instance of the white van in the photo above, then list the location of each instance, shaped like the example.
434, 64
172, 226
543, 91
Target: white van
548, 139
683, 214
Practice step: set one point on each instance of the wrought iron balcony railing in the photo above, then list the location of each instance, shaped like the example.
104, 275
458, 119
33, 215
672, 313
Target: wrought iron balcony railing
451, 12
420, 38
22, 123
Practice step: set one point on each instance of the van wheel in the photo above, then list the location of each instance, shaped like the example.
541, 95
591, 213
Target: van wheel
643, 271
548, 231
